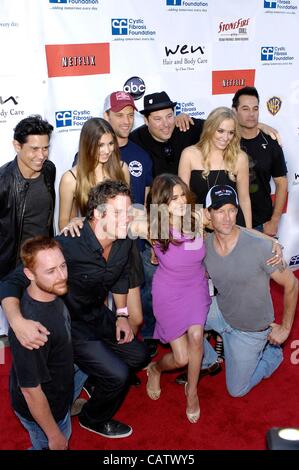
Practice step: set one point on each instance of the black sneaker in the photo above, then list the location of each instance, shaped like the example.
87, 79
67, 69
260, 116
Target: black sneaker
112, 428
152, 346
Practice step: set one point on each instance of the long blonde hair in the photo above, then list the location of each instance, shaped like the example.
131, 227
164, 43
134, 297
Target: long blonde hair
91, 134
233, 149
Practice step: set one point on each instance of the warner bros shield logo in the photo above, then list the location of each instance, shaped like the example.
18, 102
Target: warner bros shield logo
274, 105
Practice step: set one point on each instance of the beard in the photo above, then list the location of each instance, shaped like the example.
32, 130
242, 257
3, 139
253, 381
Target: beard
58, 288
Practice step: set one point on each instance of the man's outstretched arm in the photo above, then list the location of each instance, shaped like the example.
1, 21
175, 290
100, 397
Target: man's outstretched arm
289, 282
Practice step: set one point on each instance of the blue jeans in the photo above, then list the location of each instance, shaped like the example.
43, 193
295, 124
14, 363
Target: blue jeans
249, 357
79, 380
149, 320
209, 354
37, 436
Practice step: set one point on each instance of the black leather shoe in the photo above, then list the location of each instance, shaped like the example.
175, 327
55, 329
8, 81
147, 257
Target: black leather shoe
134, 379
112, 428
88, 388
214, 369
152, 346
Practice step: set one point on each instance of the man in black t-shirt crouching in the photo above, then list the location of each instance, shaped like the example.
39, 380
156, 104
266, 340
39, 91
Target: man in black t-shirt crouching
41, 380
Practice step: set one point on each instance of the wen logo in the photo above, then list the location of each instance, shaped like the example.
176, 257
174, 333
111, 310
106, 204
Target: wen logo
11, 98
185, 49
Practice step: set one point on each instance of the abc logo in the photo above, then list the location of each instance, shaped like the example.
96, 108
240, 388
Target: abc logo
135, 86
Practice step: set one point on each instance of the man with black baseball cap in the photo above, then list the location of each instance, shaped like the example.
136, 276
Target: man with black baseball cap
160, 137
242, 311
218, 196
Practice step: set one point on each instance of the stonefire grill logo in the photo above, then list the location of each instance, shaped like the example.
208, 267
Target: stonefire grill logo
65, 60
235, 30
229, 81
238, 26
274, 105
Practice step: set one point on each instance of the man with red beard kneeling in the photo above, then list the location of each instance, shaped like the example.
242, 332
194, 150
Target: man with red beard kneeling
42, 380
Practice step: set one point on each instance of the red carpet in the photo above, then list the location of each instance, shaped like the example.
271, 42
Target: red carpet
225, 423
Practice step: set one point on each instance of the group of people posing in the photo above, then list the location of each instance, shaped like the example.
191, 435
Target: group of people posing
210, 183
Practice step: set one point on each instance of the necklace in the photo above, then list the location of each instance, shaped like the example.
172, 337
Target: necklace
216, 179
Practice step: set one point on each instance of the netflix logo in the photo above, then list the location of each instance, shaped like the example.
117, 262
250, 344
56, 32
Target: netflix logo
64, 60
229, 81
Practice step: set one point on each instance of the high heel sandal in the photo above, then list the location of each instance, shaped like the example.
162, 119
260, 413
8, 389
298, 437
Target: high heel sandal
219, 349
153, 394
192, 417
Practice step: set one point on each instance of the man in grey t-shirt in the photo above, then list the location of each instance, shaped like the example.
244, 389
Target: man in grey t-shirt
242, 312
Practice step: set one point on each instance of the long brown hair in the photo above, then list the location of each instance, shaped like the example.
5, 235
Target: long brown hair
233, 149
91, 134
161, 194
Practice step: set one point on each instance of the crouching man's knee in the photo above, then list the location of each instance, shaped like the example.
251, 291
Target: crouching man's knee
237, 391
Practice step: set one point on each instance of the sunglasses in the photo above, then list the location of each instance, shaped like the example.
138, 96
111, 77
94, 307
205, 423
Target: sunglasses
168, 153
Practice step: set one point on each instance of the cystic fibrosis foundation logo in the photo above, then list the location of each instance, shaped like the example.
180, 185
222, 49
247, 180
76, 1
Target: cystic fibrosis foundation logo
294, 261
131, 27
229, 81
276, 55
189, 108
74, 118
65, 60
280, 6
186, 4
268, 4
75, 2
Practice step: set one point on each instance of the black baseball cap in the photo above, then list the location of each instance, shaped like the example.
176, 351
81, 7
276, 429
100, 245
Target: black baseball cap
220, 195
156, 102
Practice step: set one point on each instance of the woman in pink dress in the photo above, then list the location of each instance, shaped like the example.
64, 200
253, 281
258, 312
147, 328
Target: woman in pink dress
180, 290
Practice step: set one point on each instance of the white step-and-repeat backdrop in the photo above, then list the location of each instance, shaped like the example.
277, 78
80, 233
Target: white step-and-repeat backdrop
60, 58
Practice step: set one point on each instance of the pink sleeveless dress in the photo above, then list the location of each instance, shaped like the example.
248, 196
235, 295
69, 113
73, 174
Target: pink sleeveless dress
180, 289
